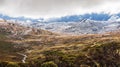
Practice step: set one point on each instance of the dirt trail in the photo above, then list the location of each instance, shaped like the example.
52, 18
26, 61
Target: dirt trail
24, 57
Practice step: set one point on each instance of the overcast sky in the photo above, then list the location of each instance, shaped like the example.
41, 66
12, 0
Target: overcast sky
56, 8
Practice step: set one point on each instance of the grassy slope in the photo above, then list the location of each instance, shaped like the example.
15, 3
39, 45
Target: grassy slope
7, 50
37, 44
76, 50
11, 44
69, 44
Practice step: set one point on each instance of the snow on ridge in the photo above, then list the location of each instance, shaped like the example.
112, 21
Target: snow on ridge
85, 26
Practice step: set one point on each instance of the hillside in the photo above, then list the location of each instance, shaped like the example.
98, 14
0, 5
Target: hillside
11, 40
31, 47
97, 50
59, 33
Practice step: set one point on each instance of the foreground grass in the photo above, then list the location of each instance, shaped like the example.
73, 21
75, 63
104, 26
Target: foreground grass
66, 51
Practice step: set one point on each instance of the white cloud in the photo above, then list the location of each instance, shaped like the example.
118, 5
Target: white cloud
56, 8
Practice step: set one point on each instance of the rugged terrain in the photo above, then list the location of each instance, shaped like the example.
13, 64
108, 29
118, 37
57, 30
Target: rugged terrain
13, 39
31, 47
85, 26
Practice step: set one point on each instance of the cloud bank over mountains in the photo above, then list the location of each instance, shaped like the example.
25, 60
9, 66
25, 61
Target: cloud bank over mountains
56, 8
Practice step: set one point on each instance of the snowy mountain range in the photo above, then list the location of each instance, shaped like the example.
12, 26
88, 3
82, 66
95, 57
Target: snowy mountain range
74, 24
86, 26
70, 18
